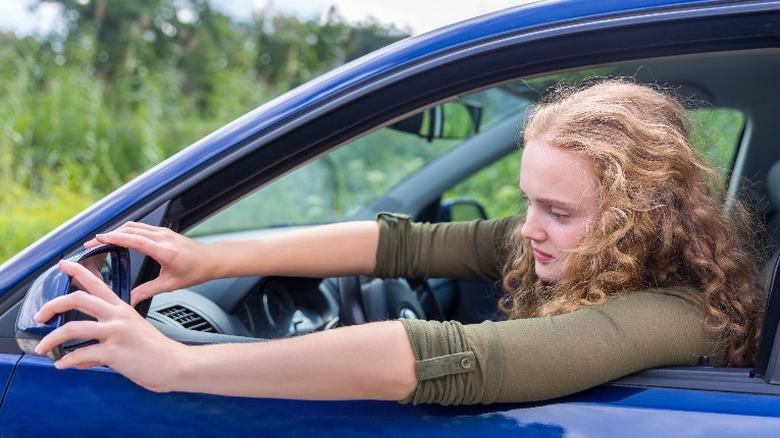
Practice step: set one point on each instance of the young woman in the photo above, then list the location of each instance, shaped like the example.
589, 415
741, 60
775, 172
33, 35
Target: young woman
623, 261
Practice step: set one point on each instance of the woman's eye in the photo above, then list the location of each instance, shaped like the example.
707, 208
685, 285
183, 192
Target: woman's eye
558, 214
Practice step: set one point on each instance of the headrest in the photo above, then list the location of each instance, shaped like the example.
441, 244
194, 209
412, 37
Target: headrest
773, 185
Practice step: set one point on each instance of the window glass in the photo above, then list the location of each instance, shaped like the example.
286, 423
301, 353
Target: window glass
716, 133
330, 187
494, 187
336, 185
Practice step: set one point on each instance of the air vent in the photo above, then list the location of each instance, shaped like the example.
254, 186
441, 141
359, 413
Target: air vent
187, 318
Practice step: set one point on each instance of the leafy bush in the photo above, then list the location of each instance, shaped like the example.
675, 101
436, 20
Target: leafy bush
126, 86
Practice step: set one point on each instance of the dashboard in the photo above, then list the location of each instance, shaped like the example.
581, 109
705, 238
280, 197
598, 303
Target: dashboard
282, 307
256, 307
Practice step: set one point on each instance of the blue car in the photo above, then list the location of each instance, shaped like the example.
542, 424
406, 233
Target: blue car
409, 129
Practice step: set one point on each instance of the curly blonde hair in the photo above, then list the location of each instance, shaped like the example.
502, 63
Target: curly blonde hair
662, 223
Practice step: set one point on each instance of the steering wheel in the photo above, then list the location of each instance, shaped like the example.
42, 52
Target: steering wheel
350, 294
376, 300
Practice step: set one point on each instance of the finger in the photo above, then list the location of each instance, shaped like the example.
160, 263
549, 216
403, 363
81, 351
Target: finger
102, 238
143, 241
148, 290
79, 300
141, 229
131, 224
70, 331
138, 296
84, 357
92, 284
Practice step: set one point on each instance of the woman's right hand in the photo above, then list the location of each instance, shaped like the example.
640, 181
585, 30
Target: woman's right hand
127, 342
183, 261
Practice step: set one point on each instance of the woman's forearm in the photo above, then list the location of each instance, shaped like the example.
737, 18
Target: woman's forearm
372, 361
324, 251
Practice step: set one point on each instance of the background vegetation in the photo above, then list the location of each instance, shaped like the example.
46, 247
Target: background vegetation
140, 80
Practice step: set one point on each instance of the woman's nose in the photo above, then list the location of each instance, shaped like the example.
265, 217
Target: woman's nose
531, 228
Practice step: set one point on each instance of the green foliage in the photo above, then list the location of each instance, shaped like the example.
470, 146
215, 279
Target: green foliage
26, 215
131, 83
715, 134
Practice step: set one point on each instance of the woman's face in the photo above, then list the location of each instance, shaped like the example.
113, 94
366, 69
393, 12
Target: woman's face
562, 194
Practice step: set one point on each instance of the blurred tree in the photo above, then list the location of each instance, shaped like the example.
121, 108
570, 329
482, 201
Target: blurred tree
297, 51
133, 38
128, 35
368, 37
206, 46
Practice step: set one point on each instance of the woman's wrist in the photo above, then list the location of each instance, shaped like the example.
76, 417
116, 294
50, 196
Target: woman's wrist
219, 263
179, 365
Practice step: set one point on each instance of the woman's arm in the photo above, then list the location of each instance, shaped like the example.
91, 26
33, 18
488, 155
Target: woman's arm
372, 361
325, 251
347, 248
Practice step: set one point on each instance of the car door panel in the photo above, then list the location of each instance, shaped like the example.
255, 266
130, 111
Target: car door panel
100, 401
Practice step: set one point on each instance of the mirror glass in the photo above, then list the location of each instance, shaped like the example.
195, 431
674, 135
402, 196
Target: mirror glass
101, 265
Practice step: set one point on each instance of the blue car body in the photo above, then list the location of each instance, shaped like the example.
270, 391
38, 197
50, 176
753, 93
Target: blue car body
39, 399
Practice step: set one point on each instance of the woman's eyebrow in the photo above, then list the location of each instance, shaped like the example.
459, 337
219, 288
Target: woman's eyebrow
552, 202
558, 203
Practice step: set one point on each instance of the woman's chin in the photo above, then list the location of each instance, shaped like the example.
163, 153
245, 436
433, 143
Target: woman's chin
547, 272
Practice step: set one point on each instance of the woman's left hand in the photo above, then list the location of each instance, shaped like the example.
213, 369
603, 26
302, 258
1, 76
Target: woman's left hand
127, 342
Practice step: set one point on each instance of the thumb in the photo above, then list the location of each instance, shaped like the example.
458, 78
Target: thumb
145, 291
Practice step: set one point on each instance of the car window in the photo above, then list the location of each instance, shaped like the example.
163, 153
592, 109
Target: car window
716, 134
338, 184
331, 187
494, 188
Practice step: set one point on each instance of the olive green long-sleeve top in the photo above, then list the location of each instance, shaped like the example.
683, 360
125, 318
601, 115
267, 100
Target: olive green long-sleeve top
537, 358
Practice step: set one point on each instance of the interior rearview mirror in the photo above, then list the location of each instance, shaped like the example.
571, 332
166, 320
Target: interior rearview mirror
108, 262
452, 120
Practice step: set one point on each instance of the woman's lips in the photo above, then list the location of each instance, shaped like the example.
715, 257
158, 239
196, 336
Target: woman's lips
542, 257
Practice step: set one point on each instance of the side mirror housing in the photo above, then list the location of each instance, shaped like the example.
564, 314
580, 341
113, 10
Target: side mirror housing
108, 262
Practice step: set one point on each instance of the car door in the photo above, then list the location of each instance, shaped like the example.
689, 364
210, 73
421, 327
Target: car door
512, 46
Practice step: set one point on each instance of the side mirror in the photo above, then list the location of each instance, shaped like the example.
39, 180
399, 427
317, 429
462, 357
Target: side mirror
452, 120
108, 262
461, 209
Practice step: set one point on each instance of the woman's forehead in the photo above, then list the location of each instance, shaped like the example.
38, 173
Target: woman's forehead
556, 174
